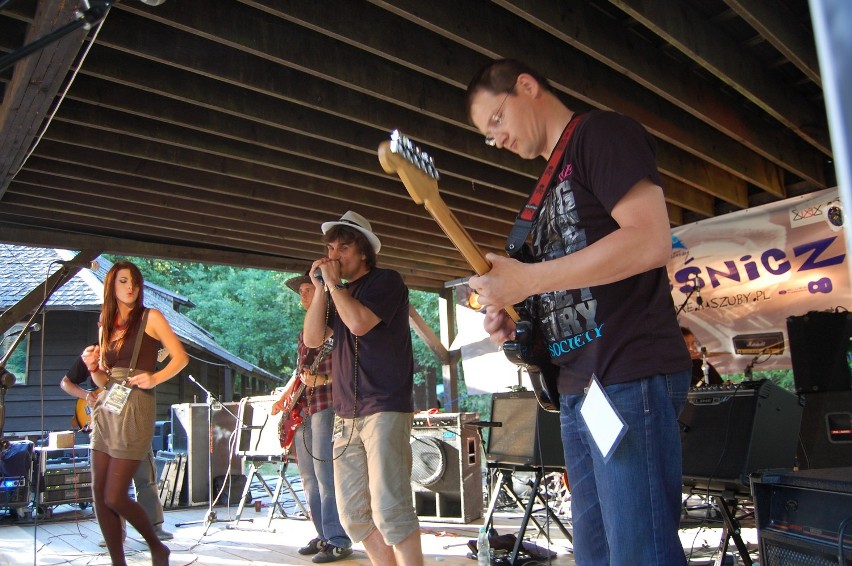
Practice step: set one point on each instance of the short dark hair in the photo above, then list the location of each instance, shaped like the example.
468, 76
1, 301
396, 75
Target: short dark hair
500, 76
347, 235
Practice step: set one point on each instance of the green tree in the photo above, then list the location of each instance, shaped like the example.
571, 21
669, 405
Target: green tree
254, 315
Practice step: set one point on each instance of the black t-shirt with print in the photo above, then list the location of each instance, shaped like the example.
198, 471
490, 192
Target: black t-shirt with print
621, 331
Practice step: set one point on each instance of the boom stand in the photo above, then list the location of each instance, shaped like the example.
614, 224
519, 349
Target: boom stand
210, 517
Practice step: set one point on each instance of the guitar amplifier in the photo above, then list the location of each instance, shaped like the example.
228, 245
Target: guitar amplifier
527, 435
799, 516
729, 432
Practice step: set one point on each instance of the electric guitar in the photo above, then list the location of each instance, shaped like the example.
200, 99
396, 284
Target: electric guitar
83, 413
291, 416
417, 171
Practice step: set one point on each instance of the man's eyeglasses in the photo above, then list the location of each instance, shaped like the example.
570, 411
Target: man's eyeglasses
494, 123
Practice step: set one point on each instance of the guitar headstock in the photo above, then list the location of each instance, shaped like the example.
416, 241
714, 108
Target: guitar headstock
414, 166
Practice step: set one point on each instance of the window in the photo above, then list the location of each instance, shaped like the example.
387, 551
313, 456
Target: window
17, 364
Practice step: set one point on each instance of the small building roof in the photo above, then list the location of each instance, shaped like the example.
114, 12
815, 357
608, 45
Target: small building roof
23, 268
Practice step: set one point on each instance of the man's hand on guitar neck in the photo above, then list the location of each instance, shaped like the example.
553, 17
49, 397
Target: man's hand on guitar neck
314, 380
506, 284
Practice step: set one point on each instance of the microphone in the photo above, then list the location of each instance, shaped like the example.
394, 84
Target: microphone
698, 300
318, 275
34, 327
93, 265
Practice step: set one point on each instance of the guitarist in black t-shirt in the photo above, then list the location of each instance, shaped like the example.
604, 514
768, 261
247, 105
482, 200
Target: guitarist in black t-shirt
595, 285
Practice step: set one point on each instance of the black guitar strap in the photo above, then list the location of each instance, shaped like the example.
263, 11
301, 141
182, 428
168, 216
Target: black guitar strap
528, 214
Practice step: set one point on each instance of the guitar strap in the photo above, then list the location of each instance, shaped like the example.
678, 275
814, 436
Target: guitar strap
529, 213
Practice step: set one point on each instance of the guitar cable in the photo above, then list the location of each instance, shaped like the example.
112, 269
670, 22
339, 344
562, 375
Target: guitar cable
316, 362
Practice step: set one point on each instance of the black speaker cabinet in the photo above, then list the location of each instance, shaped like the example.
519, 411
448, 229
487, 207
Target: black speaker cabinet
819, 346
826, 437
527, 436
729, 432
258, 435
190, 435
799, 515
446, 472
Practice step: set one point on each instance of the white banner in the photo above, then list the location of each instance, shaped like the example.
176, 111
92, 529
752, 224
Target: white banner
737, 277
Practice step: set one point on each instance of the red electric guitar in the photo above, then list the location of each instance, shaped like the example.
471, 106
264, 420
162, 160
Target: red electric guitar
291, 417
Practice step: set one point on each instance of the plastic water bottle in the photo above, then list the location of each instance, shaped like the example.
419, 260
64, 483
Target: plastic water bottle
483, 548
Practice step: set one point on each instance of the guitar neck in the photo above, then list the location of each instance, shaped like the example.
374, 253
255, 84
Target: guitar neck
423, 189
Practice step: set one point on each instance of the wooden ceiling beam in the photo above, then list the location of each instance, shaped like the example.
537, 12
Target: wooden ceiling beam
35, 81
681, 27
783, 30
589, 82
579, 25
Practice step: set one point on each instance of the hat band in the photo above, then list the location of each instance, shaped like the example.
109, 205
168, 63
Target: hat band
347, 221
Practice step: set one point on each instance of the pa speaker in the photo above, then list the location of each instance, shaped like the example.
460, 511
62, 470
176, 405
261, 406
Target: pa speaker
819, 348
446, 471
799, 516
826, 437
191, 435
527, 435
729, 432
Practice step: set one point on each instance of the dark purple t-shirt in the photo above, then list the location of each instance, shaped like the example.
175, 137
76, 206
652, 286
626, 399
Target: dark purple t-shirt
620, 331
385, 377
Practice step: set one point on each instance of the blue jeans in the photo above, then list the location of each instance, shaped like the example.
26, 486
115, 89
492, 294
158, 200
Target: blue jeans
627, 511
318, 476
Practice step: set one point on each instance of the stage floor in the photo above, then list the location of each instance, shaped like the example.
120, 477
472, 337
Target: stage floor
70, 536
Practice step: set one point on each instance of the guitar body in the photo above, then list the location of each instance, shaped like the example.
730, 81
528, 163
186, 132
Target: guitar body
420, 177
290, 422
529, 351
83, 413
291, 417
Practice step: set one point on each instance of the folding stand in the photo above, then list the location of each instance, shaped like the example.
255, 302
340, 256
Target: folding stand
730, 530
504, 482
255, 462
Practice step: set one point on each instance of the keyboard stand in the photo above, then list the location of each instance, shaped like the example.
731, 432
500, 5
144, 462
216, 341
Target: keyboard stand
254, 463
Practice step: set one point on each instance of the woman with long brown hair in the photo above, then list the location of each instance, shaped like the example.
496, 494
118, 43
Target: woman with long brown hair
124, 364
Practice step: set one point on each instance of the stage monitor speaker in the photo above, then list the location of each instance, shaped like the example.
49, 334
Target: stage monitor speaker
190, 435
826, 437
729, 432
798, 516
527, 436
258, 436
819, 351
446, 471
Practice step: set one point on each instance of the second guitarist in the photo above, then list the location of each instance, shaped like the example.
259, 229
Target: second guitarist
312, 441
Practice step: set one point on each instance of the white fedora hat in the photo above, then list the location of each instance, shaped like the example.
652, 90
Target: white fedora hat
358, 222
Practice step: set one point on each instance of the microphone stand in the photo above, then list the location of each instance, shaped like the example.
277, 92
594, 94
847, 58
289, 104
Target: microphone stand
210, 517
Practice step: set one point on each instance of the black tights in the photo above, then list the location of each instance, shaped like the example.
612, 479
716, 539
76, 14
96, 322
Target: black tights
111, 479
